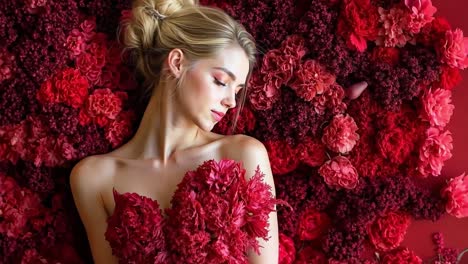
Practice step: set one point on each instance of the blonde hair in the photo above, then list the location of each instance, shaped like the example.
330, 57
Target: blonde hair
199, 31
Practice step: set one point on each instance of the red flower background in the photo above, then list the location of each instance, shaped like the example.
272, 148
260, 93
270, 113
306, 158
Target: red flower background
352, 171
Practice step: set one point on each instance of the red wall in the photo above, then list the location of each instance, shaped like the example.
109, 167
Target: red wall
454, 230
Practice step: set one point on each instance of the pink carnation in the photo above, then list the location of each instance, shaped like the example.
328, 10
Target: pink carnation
331, 100
340, 135
456, 194
436, 149
339, 173
311, 79
453, 49
394, 23
76, 43
422, 13
437, 107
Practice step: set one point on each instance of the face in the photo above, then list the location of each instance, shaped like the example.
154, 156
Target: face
210, 86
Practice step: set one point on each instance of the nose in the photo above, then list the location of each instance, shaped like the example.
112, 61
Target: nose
229, 100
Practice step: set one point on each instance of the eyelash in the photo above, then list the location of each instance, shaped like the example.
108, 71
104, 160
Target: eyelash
219, 83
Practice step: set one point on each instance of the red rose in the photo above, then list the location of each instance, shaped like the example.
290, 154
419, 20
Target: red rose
312, 225
312, 152
358, 23
401, 256
449, 77
309, 255
387, 232
394, 145
287, 251
282, 157
339, 173
388, 55
68, 86
311, 79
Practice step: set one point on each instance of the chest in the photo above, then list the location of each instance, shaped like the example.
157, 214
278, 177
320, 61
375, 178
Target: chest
158, 183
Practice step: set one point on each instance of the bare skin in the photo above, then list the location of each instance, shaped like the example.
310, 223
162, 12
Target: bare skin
173, 137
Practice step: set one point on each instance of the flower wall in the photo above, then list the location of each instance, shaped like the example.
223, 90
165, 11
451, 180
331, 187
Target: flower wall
355, 173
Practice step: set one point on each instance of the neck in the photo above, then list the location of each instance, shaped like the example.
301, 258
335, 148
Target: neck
163, 130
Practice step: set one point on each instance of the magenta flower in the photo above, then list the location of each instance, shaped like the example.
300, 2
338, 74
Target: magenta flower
456, 194
437, 107
435, 151
340, 135
453, 50
339, 173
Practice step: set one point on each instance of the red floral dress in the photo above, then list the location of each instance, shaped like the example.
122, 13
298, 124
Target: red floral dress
216, 217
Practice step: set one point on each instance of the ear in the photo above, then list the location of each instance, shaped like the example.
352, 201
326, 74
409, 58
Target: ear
175, 62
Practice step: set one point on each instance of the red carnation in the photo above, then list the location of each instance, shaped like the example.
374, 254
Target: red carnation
310, 255
282, 156
311, 79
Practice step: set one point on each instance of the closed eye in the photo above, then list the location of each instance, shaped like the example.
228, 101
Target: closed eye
219, 83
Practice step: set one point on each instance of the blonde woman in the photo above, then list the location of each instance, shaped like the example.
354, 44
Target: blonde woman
195, 61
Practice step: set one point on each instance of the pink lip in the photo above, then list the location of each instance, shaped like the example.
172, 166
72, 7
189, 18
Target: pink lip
217, 115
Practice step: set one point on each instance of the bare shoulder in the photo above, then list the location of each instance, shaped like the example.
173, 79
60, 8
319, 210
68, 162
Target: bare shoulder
91, 174
251, 152
240, 145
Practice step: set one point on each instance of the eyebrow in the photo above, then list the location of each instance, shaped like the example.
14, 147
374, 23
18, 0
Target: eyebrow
233, 77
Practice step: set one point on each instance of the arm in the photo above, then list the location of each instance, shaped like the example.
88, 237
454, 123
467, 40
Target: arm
253, 153
86, 181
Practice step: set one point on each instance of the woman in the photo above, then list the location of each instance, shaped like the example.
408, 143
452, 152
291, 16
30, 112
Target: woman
195, 61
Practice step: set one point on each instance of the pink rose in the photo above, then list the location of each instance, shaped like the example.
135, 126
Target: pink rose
456, 194
436, 149
339, 173
387, 232
437, 107
287, 251
340, 135
453, 49
312, 224
401, 256
311, 79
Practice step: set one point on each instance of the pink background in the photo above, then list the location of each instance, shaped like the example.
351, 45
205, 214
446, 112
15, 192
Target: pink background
454, 230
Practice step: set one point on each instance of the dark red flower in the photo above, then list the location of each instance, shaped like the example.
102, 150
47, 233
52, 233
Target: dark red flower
312, 224
287, 251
